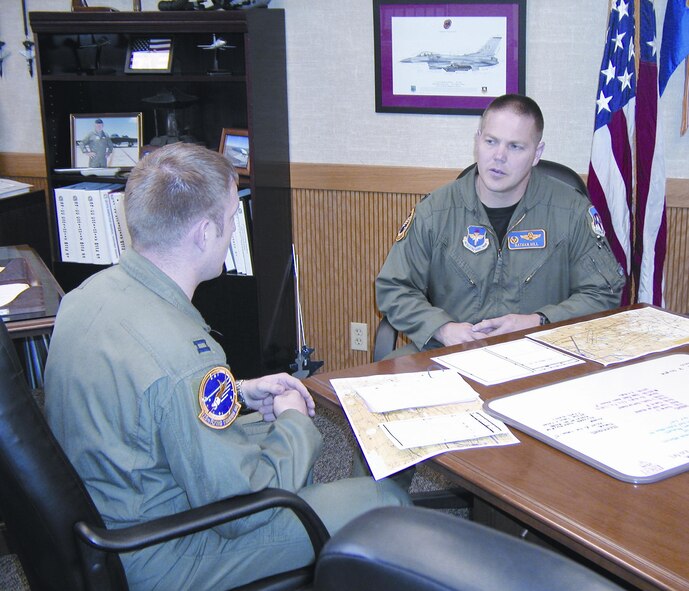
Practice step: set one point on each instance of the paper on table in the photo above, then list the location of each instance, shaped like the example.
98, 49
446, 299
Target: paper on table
507, 361
9, 291
432, 430
382, 456
414, 390
631, 422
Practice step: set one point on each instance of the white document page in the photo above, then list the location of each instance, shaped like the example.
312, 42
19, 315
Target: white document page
444, 429
506, 361
414, 390
9, 292
631, 422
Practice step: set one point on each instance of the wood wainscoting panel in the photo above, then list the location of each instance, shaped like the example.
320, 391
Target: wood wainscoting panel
341, 239
677, 260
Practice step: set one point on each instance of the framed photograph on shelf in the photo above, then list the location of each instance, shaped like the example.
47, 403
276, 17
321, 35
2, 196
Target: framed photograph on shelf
234, 145
147, 55
449, 57
105, 140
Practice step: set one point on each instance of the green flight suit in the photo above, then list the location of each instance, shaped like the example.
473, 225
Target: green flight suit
447, 265
127, 357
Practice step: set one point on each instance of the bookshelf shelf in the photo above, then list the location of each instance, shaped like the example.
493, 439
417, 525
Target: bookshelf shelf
252, 317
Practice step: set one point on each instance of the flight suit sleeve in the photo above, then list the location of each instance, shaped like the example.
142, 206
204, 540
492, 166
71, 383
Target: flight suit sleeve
245, 457
596, 279
402, 284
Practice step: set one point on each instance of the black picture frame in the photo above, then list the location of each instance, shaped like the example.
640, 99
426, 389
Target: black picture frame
149, 55
450, 57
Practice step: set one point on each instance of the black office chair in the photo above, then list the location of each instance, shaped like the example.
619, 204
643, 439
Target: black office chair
55, 528
385, 341
414, 549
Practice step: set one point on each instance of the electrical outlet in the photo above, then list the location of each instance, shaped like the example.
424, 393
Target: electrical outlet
358, 332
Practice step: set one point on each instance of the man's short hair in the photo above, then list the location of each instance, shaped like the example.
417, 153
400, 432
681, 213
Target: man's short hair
99, 121
173, 187
517, 103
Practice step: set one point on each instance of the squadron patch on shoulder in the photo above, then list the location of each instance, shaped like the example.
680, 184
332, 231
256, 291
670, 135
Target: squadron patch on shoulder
218, 398
596, 222
526, 239
405, 226
476, 239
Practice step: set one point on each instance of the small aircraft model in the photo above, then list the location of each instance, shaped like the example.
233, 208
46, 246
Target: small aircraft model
483, 58
217, 44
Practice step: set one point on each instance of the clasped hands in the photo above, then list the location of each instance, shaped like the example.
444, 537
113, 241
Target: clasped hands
454, 333
274, 394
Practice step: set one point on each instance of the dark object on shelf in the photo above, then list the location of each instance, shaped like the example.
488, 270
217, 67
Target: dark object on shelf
88, 55
169, 101
82, 6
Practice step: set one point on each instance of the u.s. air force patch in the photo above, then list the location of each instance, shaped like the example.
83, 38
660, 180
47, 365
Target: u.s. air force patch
218, 398
596, 222
405, 226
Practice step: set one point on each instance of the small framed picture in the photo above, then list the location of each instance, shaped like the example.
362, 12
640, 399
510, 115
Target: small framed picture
147, 55
234, 145
105, 140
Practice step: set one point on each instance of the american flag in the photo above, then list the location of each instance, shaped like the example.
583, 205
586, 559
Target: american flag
624, 110
651, 226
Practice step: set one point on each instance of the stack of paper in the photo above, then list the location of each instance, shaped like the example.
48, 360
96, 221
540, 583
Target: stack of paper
9, 188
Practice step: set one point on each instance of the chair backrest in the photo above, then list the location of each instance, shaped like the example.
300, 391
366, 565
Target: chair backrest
554, 169
410, 548
42, 496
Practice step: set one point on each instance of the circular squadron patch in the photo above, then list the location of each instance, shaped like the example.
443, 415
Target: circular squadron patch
218, 398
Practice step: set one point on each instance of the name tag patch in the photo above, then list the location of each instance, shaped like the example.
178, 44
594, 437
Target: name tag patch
218, 399
476, 239
526, 239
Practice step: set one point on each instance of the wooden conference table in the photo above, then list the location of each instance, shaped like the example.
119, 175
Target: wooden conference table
638, 533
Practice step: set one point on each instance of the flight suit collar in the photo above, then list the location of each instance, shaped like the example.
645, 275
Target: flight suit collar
146, 273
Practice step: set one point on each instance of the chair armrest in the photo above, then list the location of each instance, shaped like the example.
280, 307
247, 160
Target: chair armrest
385, 340
201, 518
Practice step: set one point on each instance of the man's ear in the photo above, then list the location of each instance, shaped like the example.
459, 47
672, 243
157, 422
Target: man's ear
539, 153
199, 233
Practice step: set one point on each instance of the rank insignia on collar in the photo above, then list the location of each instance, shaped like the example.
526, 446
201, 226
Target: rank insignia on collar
218, 398
596, 222
476, 239
526, 239
404, 228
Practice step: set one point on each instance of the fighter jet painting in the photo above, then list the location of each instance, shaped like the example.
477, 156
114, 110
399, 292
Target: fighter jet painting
483, 58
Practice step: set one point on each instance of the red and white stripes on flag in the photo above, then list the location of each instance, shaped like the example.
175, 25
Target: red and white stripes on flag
625, 135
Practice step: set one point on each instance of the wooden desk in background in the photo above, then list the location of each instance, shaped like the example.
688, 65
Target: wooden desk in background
31, 330
635, 532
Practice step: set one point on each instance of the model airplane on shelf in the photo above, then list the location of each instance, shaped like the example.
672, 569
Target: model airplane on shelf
218, 44
483, 58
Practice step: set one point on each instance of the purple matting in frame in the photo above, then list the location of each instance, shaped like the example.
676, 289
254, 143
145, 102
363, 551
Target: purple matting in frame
388, 101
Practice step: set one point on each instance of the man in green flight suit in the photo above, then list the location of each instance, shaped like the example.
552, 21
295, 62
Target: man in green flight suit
504, 248
97, 145
144, 404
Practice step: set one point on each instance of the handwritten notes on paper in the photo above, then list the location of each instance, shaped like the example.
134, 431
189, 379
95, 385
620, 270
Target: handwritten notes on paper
495, 364
631, 422
383, 456
620, 337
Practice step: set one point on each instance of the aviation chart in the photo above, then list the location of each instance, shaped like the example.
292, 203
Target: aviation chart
620, 337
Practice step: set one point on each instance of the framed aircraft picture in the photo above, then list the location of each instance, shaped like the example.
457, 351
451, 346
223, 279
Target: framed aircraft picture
234, 145
450, 57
